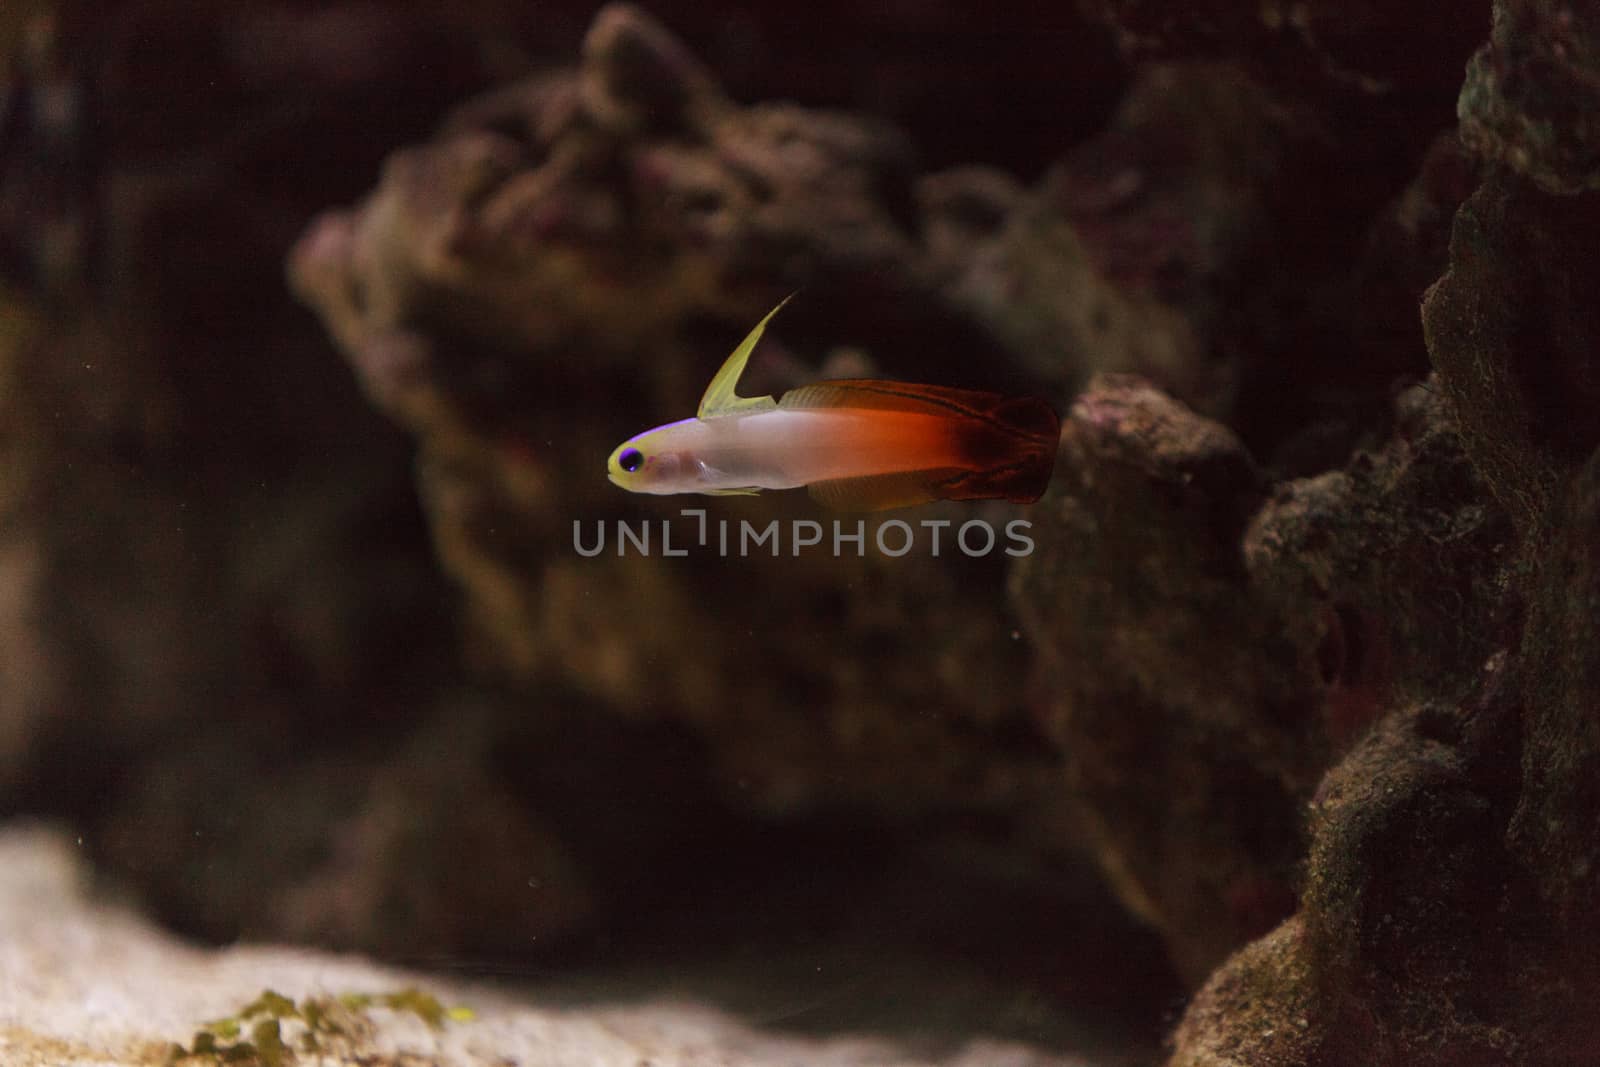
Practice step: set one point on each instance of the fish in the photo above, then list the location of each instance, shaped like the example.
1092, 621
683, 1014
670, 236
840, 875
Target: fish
855, 444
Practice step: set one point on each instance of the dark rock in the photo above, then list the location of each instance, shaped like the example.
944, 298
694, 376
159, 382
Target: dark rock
1445, 916
1176, 245
1533, 92
214, 562
1556, 832
1260, 1008
1407, 248
1418, 976
637, 76
1125, 256
1163, 561
1397, 565
1515, 336
1375, 969
1309, 47
1182, 752
1348, 100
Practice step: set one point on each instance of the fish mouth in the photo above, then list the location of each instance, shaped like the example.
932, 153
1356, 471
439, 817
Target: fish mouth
612, 478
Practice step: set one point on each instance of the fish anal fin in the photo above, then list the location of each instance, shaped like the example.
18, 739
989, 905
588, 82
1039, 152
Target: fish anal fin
720, 398
1022, 482
733, 492
879, 492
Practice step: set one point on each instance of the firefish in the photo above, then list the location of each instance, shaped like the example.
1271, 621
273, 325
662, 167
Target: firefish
855, 444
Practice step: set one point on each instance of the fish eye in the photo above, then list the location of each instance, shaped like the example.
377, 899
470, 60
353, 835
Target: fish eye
630, 460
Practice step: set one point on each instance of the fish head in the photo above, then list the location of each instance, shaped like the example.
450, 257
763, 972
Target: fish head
644, 464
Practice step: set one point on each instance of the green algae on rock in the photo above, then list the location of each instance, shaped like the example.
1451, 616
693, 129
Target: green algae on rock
87, 983
281, 1030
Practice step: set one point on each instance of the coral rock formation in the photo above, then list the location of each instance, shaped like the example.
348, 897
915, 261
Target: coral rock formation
1446, 914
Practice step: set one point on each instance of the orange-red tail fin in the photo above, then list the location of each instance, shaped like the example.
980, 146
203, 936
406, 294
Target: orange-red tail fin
1007, 444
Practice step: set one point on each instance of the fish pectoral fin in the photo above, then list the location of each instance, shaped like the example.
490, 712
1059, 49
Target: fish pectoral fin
748, 491
879, 492
720, 398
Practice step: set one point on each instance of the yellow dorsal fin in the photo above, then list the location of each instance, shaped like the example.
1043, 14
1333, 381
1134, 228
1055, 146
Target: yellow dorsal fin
719, 398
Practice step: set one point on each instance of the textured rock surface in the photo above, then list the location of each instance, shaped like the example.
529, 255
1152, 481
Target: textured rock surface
1368, 45
1514, 343
1178, 744
1357, 95
1555, 831
1531, 94
1125, 256
1377, 79
1241, 642
1445, 913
